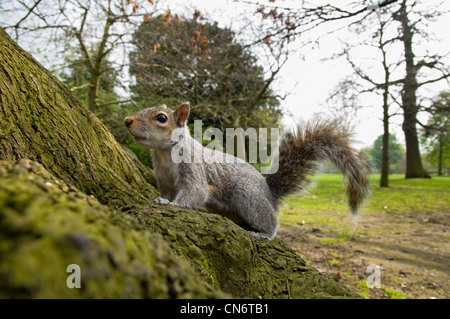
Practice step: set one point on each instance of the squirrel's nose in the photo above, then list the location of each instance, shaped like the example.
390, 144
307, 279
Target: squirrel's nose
128, 121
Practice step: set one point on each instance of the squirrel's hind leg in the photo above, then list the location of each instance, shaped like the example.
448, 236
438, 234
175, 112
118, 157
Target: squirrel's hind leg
259, 215
192, 197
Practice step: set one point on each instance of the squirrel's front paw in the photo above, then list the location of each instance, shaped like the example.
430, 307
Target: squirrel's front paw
161, 200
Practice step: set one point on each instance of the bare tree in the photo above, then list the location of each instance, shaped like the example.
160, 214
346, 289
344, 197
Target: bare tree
296, 19
371, 83
343, 103
412, 18
410, 29
98, 27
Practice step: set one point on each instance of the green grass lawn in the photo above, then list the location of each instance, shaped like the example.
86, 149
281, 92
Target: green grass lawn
327, 193
403, 228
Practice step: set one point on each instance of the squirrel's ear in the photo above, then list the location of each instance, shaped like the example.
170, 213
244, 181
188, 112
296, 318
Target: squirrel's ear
181, 114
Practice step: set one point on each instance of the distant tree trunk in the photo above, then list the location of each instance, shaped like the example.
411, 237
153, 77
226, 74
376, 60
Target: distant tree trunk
441, 154
384, 179
95, 63
93, 92
414, 167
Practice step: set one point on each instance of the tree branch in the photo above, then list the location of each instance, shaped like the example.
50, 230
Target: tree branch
16, 26
443, 77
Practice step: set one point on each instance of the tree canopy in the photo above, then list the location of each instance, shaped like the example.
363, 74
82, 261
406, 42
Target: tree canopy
435, 134
189, 60
396, 153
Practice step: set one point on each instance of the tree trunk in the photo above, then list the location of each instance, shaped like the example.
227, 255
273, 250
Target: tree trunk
384, 179
93, 92
69, 194
95, 64
441, 154
414, 167
42, 120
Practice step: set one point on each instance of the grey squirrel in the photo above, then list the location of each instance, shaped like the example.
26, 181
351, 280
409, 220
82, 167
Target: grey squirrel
235, 189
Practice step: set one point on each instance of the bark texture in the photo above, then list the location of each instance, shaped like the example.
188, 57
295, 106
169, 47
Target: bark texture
69, 194
41, 120
47, 225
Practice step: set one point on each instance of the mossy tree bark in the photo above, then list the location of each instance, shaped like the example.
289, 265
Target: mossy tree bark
47, 225
69, 194
41, 120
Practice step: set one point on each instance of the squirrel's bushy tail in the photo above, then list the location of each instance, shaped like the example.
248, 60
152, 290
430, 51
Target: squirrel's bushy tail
301, 149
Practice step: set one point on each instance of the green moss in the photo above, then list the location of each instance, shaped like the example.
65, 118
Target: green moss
229, 259
46, 226
310, 285
394, 294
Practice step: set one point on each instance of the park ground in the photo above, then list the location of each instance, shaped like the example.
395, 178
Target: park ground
403, 229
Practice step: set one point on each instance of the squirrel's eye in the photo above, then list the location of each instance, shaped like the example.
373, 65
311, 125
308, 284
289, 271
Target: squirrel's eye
161, 118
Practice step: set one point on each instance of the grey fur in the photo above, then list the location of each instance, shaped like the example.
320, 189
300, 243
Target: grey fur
231, 187
301, 149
